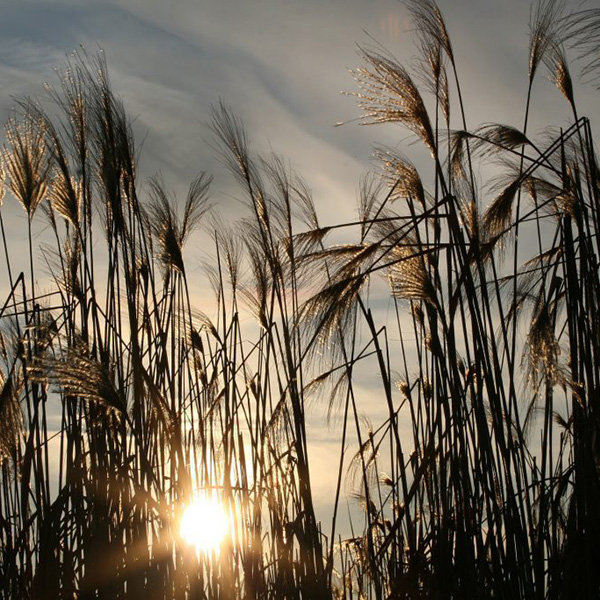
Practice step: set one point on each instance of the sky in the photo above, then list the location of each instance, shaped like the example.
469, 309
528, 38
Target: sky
281, 65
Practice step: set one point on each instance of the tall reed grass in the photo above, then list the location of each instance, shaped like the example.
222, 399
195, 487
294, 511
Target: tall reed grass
490, 360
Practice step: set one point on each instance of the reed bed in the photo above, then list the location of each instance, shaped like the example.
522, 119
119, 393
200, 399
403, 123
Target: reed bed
143, 400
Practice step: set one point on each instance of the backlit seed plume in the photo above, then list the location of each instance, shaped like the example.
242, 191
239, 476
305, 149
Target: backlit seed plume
430, 25
65, 197
26, 162
436, 78
408, 276
544, 28
556, 61
169, 230
401, 174
497, 219
77, 373
435, 43
389, 95
542, 348
498, 137
489, 140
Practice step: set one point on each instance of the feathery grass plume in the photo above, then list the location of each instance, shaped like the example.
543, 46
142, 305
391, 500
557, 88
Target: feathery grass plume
408, 276
78, 374
112, 148
310, 241
270, 227
230, 243
164, 221
201, 322
233, 148
44, 333
489, 140
435, 78
339, 387
567, 199
542, 348
369, 205
333, 309
288, 200
566, 424
555, 60
401, 175
277, 428
570, 150
545, 195
389, 95
364, 463
545, 25
73, 98
467, 198
65, 189
195, 205
495, 137
434, 42
256, 291
169, 230
304, 201
344, 259
469, 213
430, 25
26, 161
65, 197
497, 219
457, 154
71, 281
64, 264
529, 279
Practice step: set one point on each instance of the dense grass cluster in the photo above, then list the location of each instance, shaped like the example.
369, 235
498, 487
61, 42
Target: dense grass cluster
491, 359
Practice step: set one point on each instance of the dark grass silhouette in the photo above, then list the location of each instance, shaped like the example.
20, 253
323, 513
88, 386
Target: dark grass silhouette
491, 360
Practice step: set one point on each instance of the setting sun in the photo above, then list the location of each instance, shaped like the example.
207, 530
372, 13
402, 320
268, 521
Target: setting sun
204, 524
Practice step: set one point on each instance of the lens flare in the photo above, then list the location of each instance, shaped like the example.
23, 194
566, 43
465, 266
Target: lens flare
204, 524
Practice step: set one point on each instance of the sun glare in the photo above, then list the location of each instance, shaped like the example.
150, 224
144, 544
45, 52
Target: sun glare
204, 524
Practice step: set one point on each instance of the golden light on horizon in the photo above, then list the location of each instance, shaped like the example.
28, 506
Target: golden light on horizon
204, 524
